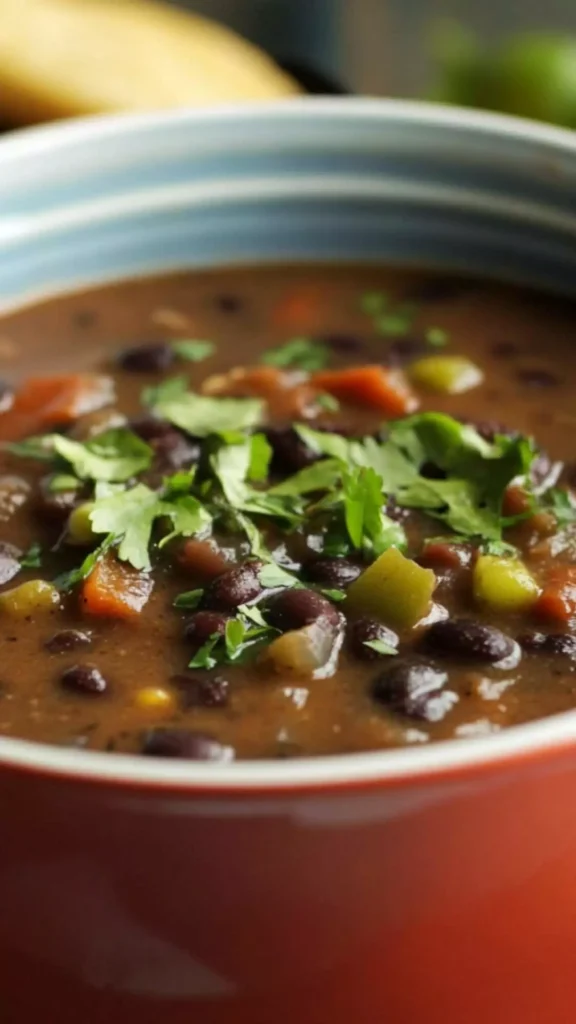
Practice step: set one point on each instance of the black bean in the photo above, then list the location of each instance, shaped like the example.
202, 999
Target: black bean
344, 343
202, 692
55, 506
296, 608
504, 350
365, 630
333, 572
536, 377
182, 743
234, 587
175, 451
6, 395
549, 643
228, 303
404, 350
204, 624
289, 453
466, 638
152, 358
9, 561
395, 511
414, 688
149, 428
84, 679
67, 640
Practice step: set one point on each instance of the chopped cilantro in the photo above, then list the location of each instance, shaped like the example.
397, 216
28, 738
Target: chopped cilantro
318, 477
328, 402
562, 505
193, 351
113, 456
204, 657
190, 599
63, 482
272, 576
380, 646
260, 456
68, 580
500, 548
130, 516
395, 324
32, 559
373, 303
40, 448
298, 354
334, 595
437, 337
174, 387
243, 636
201, 415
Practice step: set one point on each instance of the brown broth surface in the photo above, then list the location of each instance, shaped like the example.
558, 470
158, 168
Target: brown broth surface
522, 341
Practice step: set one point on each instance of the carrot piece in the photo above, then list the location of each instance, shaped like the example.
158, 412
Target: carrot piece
285, 391
385, 390
558, 599
301, 310
44, 402
115, 590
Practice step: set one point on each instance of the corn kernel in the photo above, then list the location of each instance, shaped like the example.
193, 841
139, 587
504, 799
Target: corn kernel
154, 698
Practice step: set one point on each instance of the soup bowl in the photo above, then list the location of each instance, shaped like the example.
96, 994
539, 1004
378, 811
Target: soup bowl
420, 884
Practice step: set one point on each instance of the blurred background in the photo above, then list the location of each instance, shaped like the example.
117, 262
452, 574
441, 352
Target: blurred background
71, 57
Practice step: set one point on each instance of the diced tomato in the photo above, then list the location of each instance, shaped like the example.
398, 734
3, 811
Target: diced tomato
558, 598
445, 556
115, 590
45, 402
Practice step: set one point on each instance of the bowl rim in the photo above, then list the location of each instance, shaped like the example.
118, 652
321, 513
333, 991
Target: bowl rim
517, 745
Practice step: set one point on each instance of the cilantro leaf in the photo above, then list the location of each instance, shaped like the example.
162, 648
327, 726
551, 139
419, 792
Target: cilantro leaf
298, 353
187, 515
328, 402
39, 448
272, 575
64, 482
193, 351
334, 595
437, 337
113, 456
260, 457
201, 415
562, 505
129, 517
190, 599
67, 580
32, 559
320, 476
373, 303
174, 387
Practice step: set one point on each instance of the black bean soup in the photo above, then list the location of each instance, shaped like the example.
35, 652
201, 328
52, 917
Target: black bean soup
286, 511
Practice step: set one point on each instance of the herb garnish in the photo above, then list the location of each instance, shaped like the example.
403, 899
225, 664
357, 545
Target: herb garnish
113, 456
32, 559
298, 354
201, 415
380, 646
193, 351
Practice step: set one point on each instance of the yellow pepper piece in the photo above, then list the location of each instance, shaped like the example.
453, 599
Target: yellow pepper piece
449, 375
504, 584
394, 589
28, 598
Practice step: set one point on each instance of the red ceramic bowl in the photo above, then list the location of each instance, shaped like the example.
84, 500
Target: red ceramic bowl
431, 884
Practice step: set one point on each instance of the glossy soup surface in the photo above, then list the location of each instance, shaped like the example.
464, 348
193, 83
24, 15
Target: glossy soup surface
480, 638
